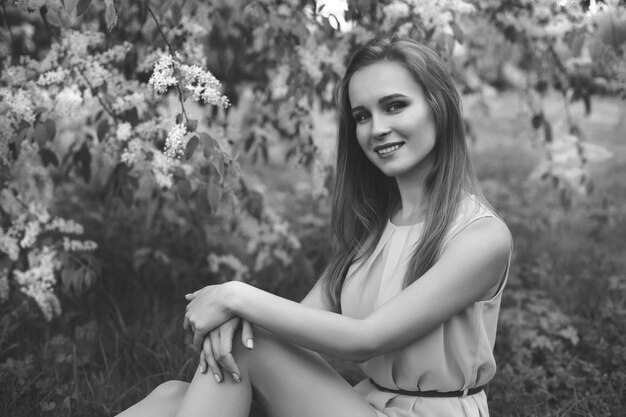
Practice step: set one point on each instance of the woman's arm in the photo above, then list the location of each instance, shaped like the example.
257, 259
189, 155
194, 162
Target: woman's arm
472, 263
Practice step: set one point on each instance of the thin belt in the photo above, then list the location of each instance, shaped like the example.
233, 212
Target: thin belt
470, 391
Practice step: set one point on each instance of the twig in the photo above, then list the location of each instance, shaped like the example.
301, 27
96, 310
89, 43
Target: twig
171, 50
95, 93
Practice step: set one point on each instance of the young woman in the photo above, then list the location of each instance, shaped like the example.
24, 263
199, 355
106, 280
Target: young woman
412, 292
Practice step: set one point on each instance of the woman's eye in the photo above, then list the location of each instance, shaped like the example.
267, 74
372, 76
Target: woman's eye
394, 107
361, 117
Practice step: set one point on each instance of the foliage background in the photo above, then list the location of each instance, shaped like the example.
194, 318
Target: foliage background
126, 182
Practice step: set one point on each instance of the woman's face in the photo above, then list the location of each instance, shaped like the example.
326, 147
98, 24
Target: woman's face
394, 124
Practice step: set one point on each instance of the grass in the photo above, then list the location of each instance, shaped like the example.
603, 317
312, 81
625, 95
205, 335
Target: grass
119, 341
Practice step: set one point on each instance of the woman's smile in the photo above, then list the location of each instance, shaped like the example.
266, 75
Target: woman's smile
386, 151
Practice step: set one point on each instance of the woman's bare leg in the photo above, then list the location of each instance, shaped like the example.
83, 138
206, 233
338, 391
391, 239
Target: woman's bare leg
288, 381
163, 401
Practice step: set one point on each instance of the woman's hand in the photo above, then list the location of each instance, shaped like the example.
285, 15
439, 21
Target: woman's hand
207, 309
217, 349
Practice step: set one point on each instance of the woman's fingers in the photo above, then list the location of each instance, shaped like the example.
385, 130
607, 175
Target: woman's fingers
207, 352
246, 334
203, 365
225, 356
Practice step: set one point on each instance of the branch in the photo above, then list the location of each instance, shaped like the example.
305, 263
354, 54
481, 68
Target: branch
95, 93
171, 50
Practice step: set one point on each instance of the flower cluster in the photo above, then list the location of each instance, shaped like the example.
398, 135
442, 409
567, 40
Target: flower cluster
69, 100
161, 166
123, 131
41, 237
393, 12
39, 279
203, 86
200, 84
163, 76
175, 142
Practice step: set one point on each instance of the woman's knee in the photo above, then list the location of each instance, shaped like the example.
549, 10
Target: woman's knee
170, 390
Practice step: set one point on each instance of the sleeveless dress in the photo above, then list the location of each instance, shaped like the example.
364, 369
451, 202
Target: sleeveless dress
457, 355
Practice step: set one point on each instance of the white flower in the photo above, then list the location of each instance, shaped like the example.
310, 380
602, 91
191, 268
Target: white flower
38, 281
123, 131
9, 244
69, 100
95, 72
132, 153
203, 85
77, 43
175, 142
161, 165
123, 103
65, 226
31, 231
40, 212
55, 76
72, 245
163, 75
394, 12
21, 105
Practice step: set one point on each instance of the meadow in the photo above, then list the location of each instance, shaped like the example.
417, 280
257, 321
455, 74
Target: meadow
561, 347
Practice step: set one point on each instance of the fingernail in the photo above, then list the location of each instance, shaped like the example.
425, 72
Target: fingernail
217, 378
250, 344
236, 378
201, 369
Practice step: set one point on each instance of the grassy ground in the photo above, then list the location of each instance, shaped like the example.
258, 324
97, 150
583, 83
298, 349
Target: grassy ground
560, 348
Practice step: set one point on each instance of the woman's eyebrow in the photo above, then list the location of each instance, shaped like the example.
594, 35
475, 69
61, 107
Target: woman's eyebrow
381, 101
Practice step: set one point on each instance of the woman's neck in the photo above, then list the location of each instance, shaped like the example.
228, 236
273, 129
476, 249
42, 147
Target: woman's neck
412, 190
412, 202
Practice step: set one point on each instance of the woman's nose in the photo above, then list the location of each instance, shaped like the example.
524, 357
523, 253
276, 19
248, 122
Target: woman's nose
379, 128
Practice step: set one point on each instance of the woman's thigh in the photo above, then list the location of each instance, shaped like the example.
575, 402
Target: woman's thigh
287, 381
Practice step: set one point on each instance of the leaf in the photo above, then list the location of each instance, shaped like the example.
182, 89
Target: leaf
40, 134
458, 32
51, 128
48, 157
191, 146
110, 14
214, 196
102, 129
179, 118
537, 120
192, 125
82, 7
131, 116
209, 143
184, 188
56, 15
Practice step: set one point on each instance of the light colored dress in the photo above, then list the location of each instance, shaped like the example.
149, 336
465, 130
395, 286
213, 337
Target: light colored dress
457, 355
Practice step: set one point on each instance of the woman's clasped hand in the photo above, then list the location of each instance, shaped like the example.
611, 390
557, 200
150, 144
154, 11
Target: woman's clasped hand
214, 329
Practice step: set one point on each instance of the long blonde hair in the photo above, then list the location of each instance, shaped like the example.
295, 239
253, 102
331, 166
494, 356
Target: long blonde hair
364, 198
